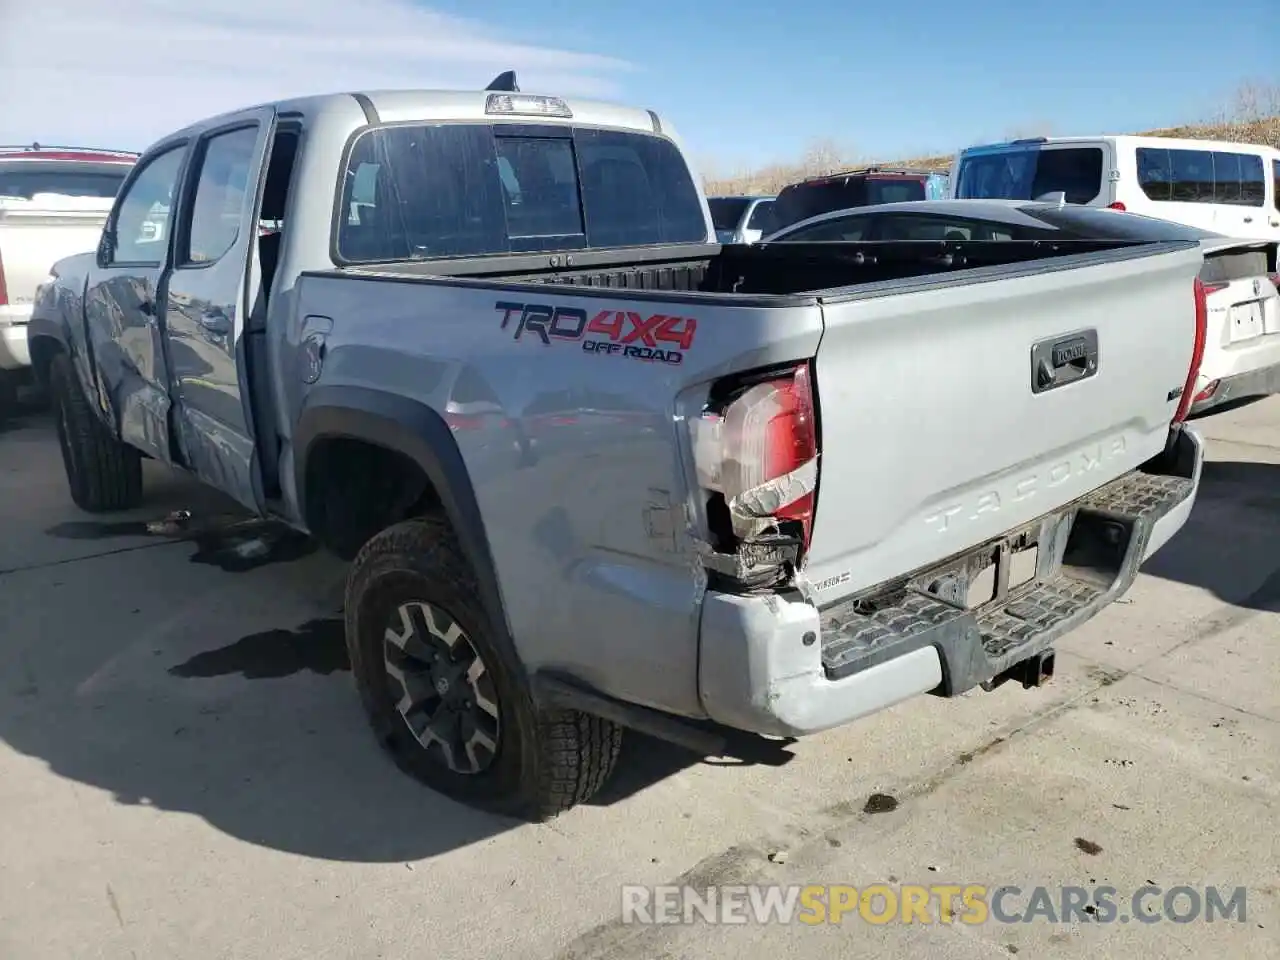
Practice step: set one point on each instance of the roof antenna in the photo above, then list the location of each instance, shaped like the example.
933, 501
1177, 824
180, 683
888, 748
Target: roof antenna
505, 83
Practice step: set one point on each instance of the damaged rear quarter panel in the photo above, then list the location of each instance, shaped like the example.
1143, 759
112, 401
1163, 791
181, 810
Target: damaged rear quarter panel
573, 450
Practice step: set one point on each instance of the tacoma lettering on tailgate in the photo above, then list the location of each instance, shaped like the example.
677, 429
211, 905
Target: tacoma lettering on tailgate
1028, 485
614, 333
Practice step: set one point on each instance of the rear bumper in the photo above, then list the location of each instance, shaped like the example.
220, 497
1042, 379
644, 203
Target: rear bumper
1261, 382
781, 667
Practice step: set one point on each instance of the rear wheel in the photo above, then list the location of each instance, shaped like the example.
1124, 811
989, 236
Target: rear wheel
447, 697
103, 474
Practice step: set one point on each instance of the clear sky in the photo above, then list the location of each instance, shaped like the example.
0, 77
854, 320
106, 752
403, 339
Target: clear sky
747, 82
757, 79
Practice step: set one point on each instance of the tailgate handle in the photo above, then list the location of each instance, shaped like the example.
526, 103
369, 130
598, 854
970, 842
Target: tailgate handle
1066, 358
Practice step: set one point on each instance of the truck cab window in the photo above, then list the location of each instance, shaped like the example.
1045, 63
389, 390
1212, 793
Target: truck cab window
220, 195
364, 182
275, 199
145, 210
460, 190
540, 187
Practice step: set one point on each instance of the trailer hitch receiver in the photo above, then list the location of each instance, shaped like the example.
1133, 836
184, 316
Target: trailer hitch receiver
1035, 671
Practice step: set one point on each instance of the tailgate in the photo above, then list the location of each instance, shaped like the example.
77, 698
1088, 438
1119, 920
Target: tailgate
941, 428
33, 238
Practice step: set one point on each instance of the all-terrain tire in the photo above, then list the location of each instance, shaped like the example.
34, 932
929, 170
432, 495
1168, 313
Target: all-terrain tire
546, 761
103, 474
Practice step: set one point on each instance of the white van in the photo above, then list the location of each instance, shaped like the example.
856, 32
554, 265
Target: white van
1227, 188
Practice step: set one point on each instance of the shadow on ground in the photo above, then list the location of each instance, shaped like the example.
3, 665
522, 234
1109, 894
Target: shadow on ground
1242, 568
132, 671
31, 409
318, 646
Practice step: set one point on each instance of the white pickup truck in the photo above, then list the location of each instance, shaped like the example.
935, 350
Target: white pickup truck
53, 202
598, 471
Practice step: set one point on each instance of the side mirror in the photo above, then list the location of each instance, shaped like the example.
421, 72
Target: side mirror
106, 245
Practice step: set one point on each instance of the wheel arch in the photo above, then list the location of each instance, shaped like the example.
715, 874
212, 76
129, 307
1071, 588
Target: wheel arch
45, 340
416, 434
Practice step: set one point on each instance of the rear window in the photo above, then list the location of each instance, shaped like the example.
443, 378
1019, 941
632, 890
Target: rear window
1095, 224
804, 200
1234, 265
1026, 174
467, 189
761, 216
895, 190
1202, 176
814, 198
726, 212
26, 178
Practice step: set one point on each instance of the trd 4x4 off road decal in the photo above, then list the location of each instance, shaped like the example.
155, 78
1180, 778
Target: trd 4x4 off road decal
617, 333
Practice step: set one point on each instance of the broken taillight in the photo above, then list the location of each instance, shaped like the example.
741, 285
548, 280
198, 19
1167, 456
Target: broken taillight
756, 453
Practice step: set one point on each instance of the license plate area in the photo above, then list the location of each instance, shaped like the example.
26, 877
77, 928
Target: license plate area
1246, 321
994, 573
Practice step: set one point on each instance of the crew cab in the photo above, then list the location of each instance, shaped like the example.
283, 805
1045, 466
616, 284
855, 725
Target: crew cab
53, 201
595, 471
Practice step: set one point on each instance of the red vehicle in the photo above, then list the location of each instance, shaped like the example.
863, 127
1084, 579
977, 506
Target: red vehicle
855, 188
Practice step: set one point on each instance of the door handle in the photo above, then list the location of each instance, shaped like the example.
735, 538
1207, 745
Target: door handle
1248, 219
215, 321
1059, 361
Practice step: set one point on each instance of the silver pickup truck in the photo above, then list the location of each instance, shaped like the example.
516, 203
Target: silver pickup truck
596, 471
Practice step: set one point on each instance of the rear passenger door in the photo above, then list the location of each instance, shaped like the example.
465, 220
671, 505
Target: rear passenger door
212, 287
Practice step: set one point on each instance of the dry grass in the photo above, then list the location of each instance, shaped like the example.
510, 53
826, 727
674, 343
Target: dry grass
1252, 117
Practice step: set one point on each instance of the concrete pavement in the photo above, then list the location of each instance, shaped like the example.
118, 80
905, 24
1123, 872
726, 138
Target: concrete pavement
185, 771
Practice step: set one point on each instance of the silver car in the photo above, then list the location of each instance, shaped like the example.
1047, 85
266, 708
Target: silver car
741, 219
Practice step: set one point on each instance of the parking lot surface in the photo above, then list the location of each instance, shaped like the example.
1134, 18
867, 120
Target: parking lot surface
185, 771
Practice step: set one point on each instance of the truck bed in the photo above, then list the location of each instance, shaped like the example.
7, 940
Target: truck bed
802, 270
966, 397
963, 389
